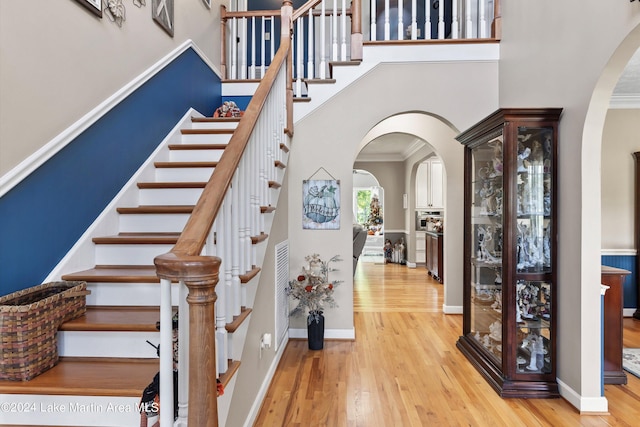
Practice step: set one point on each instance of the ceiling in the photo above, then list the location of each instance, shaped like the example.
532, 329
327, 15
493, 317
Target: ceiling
399, 146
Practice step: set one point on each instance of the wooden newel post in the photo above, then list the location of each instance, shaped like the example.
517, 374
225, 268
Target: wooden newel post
356, 30
286, 30
200, 275
636, 221
223, 41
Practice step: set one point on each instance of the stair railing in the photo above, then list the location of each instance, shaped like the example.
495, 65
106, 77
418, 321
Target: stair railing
322, 33
215, 247
327, 31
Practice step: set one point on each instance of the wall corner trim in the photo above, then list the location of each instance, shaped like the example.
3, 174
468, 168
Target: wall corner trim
37, 159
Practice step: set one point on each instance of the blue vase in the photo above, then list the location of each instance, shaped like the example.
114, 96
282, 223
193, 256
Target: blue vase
315, 330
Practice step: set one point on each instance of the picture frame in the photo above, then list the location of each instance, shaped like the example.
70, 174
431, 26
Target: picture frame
93, 6
162, 14
321, 204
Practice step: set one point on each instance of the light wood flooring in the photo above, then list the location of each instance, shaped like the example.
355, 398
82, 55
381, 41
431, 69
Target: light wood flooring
403, 369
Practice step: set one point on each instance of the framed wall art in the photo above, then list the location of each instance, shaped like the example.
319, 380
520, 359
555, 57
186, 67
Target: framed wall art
321, 204
94, 6
162, 13
207, 3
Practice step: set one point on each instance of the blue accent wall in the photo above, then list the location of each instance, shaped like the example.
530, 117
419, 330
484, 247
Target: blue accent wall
626, 262
45, 214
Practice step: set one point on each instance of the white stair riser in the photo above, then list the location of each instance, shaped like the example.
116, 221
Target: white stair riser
169, 196
107, 344
124, 294
195, 155
207, 138
129, 254
183, 174
149, 223
214, 125
48, 410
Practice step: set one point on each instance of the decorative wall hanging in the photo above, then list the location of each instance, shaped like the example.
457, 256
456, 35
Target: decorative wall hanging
207, 3
94, 6
162, 13
115, 11
321, 203
139, 3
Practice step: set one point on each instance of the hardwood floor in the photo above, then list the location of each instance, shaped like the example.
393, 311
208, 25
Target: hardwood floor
404, 369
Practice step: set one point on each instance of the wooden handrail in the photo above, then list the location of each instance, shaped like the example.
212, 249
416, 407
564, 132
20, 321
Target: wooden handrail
305, 8
200, 273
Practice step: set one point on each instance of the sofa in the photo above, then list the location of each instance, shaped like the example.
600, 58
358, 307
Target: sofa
359, 239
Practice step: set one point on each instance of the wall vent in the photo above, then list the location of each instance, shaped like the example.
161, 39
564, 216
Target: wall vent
282, 300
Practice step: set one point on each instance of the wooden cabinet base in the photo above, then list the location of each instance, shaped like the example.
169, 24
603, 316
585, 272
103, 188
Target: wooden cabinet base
505, 387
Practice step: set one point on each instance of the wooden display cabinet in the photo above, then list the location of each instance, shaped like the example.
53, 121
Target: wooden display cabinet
510, 283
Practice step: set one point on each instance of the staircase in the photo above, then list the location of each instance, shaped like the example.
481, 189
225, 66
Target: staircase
105, 360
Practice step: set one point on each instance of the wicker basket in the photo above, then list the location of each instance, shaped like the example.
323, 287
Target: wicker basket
29, 321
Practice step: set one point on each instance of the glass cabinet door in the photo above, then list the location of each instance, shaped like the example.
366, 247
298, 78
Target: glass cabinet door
533, 250
486, 246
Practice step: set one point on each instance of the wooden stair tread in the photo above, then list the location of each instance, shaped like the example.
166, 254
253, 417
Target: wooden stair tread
115, 318
156, 209
89, 377
232, 368
259, 238
116, 274
170, 165
274, 184
284, 147
267, 209
207, 131
152, 185
197, 146
214, 119
301, 99
279, 164
138, 238
238, 320
319, 81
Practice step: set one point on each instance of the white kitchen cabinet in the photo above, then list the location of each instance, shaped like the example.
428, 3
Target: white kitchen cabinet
429, 183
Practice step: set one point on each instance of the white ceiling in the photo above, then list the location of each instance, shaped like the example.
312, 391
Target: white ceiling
399, 146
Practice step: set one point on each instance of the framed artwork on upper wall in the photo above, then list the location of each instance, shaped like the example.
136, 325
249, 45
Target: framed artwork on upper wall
321, 204
162, 13
95, 6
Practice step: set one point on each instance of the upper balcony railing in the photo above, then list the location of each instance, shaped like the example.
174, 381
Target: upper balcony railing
326, 31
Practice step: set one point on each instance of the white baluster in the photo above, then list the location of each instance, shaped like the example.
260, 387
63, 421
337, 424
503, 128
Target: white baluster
221, 312
343, 28
455, 30
166, 350
273, 39
323, 41
243, 49
310, 53
252, 68
387, 25
299, 56
183, 356
441, 27
427, 19
263, 45
235, 246
482, 25
234, 48
414, 20
373, 30
334, 31
469, 23
400, 21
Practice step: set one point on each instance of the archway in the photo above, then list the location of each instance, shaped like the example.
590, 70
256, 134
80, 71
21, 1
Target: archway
439, 136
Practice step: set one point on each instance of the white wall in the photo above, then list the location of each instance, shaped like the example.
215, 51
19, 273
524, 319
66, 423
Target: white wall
621, 138
59, 61
559, 54
461, 93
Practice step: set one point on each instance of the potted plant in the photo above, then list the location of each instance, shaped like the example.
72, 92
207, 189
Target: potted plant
313, 290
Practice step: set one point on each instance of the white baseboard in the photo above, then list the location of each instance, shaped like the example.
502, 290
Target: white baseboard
618, 252
628, 312
411, 264
586, 405
331, 334
257, 402
451, 309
